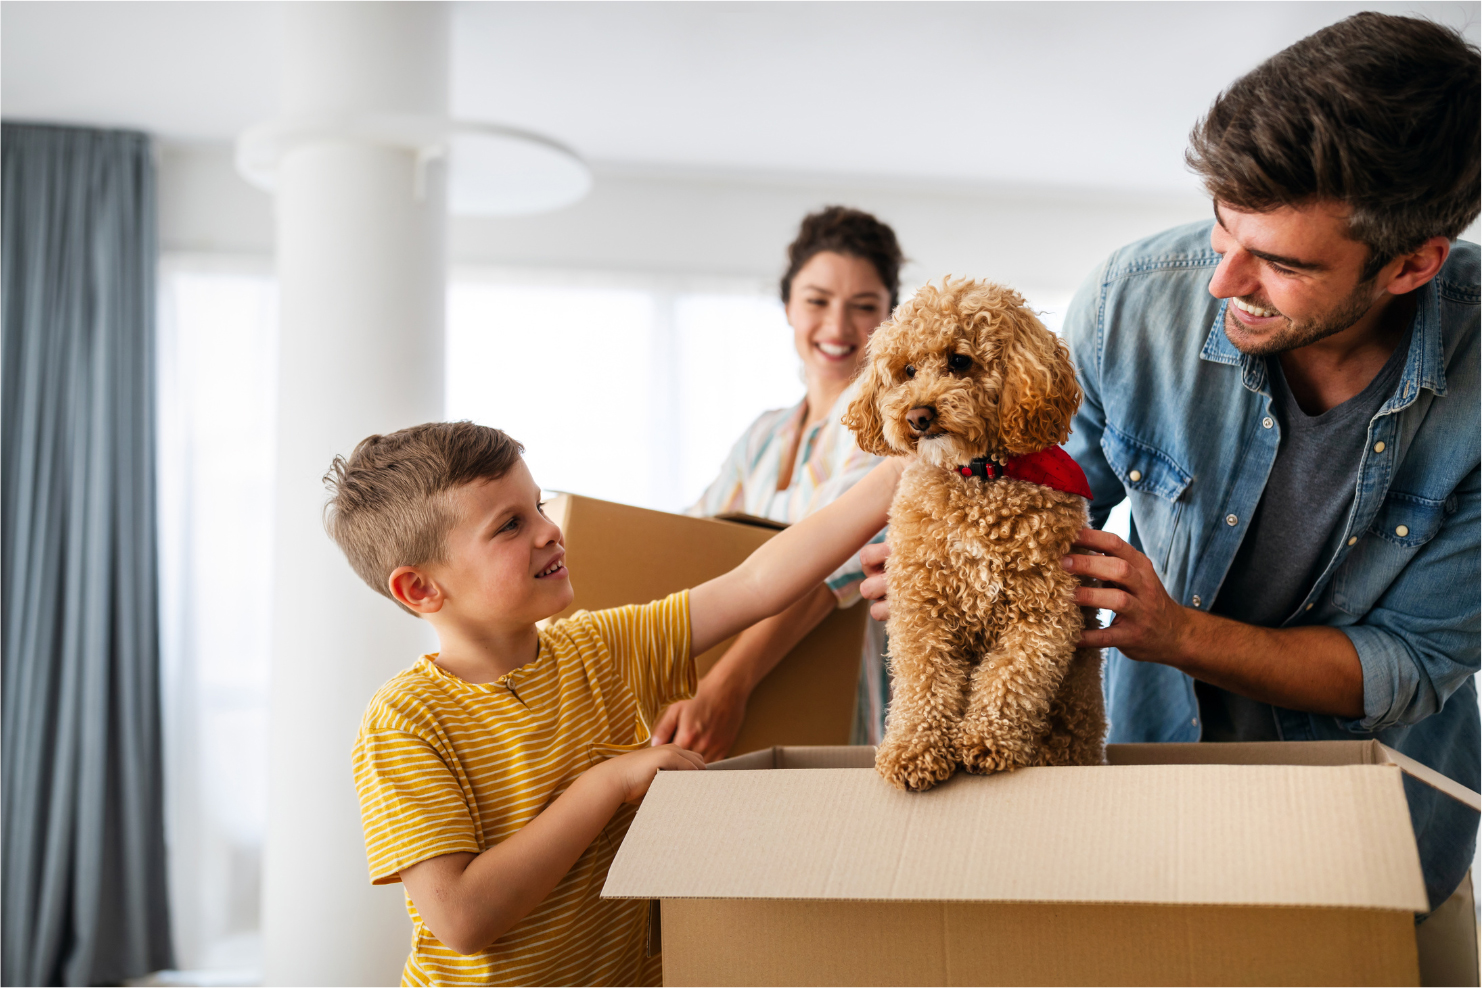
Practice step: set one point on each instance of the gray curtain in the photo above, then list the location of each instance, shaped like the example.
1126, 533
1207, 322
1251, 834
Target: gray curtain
82, 891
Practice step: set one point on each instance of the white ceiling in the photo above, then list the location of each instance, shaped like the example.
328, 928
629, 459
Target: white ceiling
1096, 95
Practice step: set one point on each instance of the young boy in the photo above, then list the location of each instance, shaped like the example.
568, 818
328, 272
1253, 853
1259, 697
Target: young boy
498, 776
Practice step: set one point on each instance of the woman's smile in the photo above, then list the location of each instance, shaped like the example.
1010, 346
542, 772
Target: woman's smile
836, 351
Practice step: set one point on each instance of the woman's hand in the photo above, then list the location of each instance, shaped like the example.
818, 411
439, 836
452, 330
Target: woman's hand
707, 724
873, 588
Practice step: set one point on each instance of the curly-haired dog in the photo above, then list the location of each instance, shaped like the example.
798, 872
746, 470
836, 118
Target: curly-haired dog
983, 618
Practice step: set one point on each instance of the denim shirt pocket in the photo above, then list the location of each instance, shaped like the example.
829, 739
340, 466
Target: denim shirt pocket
1155, 483
1403, 523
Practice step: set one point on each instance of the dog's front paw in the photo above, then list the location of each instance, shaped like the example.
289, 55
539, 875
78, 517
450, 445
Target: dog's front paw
914, 765
984, 757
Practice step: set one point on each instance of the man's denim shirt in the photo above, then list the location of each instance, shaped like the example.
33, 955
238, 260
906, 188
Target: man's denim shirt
1179, 421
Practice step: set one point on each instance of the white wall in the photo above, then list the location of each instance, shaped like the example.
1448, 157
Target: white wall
737, 225
1041, 241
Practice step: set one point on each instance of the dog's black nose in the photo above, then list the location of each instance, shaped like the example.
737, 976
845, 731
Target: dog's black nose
921, 417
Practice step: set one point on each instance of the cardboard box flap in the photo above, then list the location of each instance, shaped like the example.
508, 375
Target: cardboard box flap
1246, 753
1291, 753
820, 756
1432, 778
1213, 834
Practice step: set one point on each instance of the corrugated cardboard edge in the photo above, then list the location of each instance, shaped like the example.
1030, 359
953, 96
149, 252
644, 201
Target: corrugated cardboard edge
761, 760
655, 928
795, 757
1429, 776
1364, 752
1373, 753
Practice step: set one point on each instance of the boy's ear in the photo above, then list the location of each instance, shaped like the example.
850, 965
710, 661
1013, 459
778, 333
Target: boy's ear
415, 590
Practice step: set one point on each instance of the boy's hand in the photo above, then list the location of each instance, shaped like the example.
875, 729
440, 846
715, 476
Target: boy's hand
707, 724
634, 772
468, 901
873, 588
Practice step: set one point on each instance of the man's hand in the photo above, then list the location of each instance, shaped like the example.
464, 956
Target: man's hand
1312, 668
1150, 625
707, 724
873, 588
632, 773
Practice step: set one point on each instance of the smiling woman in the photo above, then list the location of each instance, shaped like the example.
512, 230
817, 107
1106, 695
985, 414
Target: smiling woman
842, 280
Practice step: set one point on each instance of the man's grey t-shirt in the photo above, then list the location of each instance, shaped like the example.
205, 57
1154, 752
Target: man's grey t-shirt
1295, 529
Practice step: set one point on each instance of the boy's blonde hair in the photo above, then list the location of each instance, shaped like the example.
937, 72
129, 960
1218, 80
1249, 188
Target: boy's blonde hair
388, 504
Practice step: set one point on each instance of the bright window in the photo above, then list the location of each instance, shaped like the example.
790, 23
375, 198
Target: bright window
631, 394
217, 403
734, 360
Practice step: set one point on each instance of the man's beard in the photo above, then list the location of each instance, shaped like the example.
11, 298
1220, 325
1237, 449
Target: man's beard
1299, 334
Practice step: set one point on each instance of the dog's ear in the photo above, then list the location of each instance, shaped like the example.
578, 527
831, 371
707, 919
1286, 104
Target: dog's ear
863, 415
1040, 393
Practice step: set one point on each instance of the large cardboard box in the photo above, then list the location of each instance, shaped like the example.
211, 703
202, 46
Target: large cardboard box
618, 554
1289, 863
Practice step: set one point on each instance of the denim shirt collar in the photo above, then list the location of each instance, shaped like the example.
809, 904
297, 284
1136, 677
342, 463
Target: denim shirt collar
1424, 366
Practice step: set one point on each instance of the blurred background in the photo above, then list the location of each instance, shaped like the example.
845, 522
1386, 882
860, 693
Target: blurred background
626, 337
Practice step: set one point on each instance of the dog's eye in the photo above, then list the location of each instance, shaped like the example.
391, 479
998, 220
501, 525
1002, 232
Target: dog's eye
959, 362
910, 371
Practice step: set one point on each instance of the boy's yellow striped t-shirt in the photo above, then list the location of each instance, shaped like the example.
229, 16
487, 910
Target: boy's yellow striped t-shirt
444, 765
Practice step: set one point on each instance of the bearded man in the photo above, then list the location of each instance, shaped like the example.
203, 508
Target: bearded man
1288, 396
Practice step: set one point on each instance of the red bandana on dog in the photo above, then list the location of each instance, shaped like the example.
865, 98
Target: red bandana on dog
1050, 467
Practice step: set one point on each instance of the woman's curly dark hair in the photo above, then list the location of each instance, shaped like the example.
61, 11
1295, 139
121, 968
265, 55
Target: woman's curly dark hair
853, 233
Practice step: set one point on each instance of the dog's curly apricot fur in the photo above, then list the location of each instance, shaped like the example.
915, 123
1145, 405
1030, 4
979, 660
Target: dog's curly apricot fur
983, 618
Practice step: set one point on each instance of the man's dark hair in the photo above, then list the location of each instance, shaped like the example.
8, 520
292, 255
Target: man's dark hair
1378, 112
853, 233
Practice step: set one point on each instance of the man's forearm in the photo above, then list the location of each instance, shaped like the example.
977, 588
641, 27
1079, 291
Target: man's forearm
1314, 669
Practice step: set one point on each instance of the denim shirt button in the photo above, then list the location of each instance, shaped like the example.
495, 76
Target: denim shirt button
1231, 520
1266, 422
1134, 475
1379, 446
1352, 539
1196, 600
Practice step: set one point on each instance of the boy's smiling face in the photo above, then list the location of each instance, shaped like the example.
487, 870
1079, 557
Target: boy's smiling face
505, 563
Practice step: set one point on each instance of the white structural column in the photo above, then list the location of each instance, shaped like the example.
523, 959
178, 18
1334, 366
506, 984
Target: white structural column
361, 271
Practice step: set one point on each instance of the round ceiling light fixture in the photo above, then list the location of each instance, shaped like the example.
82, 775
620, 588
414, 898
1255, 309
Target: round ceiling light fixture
492, 170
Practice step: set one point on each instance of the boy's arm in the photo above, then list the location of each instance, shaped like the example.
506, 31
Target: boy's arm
793, 562
470, 900
710, 722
